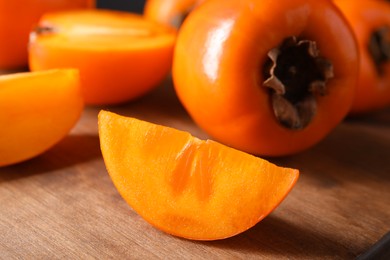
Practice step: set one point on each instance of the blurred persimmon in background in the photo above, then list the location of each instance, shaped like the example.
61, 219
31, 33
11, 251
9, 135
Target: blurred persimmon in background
171, 12
16, 20
370, 21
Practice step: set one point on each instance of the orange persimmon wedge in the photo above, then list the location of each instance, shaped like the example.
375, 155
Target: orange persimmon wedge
120, 55
185, 186
38, 109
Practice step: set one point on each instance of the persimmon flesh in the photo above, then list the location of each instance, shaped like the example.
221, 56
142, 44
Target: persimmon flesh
16, 20
38, 109
224, 78
121, 56
370, 21
185, 186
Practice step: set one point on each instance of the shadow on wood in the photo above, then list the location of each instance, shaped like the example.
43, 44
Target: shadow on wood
274, 236
71, 151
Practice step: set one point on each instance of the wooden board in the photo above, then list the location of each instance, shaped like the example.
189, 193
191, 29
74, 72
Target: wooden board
63, 204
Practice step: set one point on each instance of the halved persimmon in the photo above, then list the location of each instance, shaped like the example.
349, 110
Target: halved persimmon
170, 12
16, 20
38, 109
185, 186
266, 77
121, 56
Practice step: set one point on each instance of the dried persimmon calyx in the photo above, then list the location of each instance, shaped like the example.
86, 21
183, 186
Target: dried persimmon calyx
296, 74
44, 30
379, 47
41, 30
179, 18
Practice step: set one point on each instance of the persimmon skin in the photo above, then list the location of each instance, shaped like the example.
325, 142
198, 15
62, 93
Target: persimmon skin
38, 110
219, 81
373, 90
17, 18
124, 57
169, 12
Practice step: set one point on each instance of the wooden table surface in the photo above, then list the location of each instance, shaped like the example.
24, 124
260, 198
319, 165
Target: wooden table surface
63, 205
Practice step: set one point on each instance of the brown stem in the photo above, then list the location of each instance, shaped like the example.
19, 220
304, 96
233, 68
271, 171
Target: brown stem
296, 75
39, 30
178, 20
379, 47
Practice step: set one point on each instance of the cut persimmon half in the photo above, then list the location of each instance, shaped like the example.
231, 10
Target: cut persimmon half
120, 55
185, 186
38, 109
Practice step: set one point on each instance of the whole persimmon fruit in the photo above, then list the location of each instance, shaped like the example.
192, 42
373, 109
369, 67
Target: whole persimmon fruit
264, 77
17, 18
370, 21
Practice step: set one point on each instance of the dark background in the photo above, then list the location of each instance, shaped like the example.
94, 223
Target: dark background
126, 5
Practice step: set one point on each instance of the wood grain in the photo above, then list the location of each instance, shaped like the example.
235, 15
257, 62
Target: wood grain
62, 204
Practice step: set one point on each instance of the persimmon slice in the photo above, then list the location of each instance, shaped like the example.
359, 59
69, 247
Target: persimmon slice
38, 109
121, 56
185, 186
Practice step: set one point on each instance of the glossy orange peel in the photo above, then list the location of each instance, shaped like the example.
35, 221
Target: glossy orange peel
367, 19
220, 77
